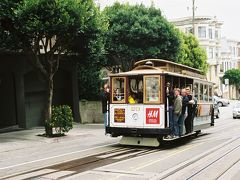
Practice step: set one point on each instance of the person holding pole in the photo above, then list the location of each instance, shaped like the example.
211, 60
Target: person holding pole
105, 105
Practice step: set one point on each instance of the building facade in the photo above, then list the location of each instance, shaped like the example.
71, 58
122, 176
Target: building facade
238, 48
23, 91
229, 60
208, 32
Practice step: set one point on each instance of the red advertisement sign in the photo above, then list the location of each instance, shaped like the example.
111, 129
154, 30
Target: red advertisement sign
152, 115
119, 115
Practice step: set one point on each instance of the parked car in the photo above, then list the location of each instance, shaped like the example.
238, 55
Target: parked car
220, 101
236, 111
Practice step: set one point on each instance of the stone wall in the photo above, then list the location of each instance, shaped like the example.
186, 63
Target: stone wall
90, 111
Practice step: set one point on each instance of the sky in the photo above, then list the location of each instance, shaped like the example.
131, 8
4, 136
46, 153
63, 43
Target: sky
227, 11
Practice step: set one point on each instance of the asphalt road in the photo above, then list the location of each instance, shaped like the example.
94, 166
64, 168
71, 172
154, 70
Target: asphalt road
214, 154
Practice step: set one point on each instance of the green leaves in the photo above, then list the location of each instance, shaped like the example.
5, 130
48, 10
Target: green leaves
27, 22
233, 75
62, 119
191, 54
137, 32
48, 18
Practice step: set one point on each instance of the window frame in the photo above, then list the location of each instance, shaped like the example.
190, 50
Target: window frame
123, 101
198, 90
205, 88
160, 99
211, 53
201, 92
210, 95
202, 32
210, 33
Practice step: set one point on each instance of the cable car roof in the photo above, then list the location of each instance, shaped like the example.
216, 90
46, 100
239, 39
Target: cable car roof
158, 66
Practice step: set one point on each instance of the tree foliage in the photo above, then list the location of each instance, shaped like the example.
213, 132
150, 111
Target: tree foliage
46, 29
191, 54
137, 32
89, 81
233, 75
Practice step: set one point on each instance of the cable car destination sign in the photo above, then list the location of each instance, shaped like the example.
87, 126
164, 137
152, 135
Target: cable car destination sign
119, 115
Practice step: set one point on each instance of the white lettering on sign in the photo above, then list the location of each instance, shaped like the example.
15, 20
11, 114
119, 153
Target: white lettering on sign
152, 114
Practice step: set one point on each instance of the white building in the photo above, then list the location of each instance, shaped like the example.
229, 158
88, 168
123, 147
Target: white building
229, 60
238, 46
208, 32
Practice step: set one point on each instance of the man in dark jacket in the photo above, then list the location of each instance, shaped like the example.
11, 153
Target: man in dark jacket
190, 112
105, 104
185, 102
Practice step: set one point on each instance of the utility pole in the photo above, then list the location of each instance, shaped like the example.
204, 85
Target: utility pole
193, 16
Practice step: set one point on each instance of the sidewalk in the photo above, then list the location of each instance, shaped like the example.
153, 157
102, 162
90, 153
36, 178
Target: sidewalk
24, 150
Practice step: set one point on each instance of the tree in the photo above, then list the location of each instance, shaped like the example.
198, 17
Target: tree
46, 29
191, 54
137, 32
233, 75
89, 81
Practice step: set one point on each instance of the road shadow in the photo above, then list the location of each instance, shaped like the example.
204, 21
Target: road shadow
170, 144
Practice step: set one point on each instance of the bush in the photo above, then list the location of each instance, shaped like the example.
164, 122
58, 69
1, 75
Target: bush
62, 119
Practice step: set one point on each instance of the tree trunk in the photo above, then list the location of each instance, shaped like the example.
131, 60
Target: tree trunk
48, 113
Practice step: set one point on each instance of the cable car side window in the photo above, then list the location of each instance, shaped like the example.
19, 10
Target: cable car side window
119, 89
196, 90
210, 93
152, 93
201, 92
205, 95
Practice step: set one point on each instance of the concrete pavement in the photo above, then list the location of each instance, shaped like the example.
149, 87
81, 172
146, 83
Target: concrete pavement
25, 150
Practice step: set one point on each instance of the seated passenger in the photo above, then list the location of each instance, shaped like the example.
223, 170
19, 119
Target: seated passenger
117, 95
132, 99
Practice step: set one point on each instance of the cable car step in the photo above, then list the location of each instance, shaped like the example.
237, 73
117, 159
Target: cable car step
174, 138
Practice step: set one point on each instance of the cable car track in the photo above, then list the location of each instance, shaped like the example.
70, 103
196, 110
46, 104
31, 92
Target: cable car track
202, 165
212, 163
121, 153
87, 163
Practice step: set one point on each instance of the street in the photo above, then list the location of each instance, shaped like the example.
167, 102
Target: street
214, 154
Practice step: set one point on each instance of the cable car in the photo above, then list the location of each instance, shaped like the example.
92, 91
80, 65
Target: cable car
138, 109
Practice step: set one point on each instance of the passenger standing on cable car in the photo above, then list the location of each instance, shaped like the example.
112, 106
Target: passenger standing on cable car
185, 102
105, 105
177, 111
190, 112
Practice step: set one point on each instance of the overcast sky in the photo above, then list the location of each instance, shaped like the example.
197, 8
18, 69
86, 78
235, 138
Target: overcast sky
226, 10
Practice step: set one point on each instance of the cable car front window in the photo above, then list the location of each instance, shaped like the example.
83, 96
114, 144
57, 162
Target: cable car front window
135, 90
152, 89
118, 89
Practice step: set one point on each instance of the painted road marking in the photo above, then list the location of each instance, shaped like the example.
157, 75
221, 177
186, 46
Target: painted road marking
142, 165
170, 155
